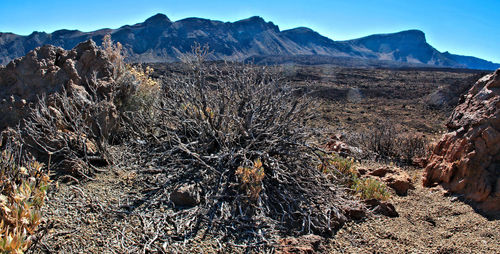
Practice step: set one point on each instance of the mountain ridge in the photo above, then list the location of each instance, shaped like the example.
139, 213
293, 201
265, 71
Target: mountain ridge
158, 39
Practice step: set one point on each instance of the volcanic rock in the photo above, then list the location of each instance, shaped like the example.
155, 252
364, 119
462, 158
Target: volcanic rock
186, 195
57, 91
467, 159
50, 69
393, 177
304, 245
381, 207
335, 144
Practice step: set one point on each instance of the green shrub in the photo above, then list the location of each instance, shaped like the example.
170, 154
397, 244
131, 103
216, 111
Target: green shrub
368, 188
365, 188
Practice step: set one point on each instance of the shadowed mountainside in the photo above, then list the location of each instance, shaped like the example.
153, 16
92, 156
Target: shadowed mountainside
158, 39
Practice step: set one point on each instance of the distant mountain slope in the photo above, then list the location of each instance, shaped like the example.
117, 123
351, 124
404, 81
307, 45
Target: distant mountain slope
407, 46
472, 62
158, 39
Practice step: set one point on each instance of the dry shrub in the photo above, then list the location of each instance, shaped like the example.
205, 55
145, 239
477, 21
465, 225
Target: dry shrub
135, 90
115, 54
239, 133
386, 141
142, 91
70, 131
23, 187
412, 146
74, 128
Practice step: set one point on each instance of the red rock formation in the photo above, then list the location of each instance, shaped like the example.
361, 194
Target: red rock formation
467, 159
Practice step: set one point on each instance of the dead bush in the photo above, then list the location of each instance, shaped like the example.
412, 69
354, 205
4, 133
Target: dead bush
239, 133
388, 142
74, 127
71, 132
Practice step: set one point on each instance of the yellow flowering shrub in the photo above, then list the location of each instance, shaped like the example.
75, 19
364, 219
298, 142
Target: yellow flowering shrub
23, 191
146, 91
138, 89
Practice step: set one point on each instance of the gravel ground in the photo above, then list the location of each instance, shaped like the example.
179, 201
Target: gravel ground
429, 222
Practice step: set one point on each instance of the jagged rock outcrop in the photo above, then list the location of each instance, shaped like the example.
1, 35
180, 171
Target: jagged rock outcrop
467, 159
50, 69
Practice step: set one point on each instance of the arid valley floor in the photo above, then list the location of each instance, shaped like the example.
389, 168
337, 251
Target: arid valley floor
98, 216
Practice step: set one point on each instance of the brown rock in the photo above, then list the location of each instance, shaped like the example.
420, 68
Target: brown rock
356, 213
85, 75
393, 177
336, 145
381, 207
49, 69
186, 195
467, 159
306, 244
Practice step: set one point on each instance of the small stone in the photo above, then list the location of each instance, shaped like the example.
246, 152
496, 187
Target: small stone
394, 177
186, 196
303, 245
381, 207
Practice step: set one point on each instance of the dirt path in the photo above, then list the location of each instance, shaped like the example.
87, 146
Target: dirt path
429, 222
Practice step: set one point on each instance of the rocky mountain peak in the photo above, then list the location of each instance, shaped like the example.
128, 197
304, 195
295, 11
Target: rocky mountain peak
256, 23
157, 19
413, 34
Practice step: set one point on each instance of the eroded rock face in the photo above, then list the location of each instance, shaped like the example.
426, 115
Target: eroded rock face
49, 69
467, 159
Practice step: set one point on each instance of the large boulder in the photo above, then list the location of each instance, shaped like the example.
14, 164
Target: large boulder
48, 69
467, 159
77, 113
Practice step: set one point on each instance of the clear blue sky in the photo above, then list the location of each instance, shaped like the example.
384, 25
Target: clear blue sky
459, 26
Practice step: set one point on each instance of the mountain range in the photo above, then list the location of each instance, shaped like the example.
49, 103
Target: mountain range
158, 39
